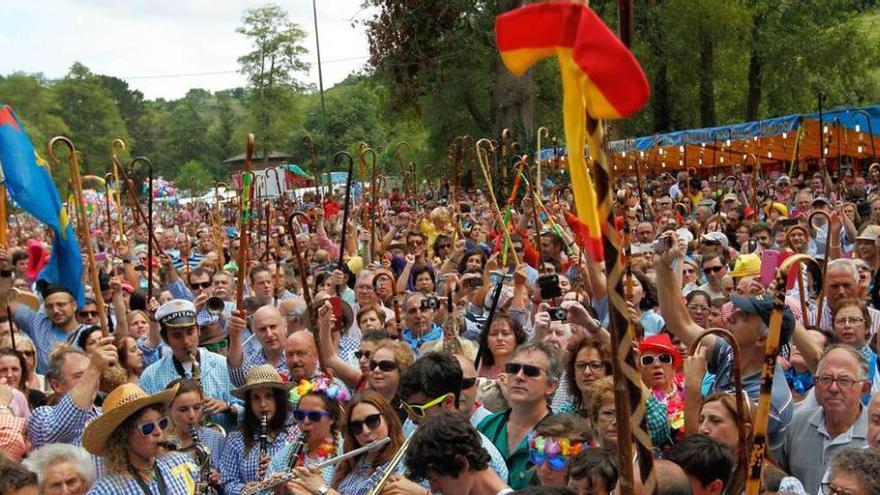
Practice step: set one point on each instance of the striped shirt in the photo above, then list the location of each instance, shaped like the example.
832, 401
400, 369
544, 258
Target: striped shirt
62, 423
177, 472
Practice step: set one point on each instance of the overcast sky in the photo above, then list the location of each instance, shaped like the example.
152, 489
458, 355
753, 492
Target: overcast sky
144, 41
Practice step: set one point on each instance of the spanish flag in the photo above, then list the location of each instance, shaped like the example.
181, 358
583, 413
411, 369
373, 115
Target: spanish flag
600, 77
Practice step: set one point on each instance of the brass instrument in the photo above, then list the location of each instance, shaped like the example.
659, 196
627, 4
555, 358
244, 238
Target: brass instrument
391, 467
276, 479
82, 223
197, 377
215, 306
203, 461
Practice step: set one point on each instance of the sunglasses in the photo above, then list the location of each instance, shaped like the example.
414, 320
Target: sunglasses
648, 359
557, 462
313, 416
362, 354
88, 314
216, 346
419, 411
468, 383
27, 353
385, 366
372, 422
147, 429
712, 269
200, 285
444, 246
529, 370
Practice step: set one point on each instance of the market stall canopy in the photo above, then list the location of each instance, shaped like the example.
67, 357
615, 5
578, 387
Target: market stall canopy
776, 141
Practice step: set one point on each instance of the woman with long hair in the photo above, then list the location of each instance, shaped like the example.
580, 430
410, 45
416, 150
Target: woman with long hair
369, 417
244, 460
130, 357
186, 414
129, 437
13, 373
25, 346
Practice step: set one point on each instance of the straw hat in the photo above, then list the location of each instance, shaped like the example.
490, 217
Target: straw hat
120, 404
264, 375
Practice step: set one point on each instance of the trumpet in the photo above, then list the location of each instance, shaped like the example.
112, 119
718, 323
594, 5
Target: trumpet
203, 460
277, 479
215, 306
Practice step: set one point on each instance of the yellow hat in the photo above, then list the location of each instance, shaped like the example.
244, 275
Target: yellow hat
781, 208
120, 404
746, 265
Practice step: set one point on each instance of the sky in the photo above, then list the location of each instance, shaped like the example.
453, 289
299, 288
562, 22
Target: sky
146, 41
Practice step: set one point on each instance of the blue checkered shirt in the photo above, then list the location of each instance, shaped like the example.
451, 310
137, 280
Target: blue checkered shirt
61, 423
239, 467
43, 332
177, 470
281, 459
215, 381
255, 357
361, 479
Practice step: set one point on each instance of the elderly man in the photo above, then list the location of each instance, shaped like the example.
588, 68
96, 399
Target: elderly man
531, 378
270, 328
840, 421
749, 323
62, 469
177, 322
301, 358
841, 281
420, 322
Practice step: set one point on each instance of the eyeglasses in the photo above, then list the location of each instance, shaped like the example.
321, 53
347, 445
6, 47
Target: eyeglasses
688, 270
216, 346
850, 321
557, 462
419, 411
712, 269
362, 354
200, 285
648, 359
27, 353
468, 383
147, 429
529, 370
829, 489
385, 366
372, 422
313, 416
844, 382
87, 314
594, 366
444, 246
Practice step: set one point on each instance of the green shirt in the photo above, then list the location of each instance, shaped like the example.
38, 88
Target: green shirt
518, 463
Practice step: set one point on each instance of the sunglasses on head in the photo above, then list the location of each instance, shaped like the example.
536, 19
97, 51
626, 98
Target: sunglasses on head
362, 354
648, 359
529, 370
312, 416
557, 462
372, 421
147, 429
383, 365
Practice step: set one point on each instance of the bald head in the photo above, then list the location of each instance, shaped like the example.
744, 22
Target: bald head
671, 478
270, 328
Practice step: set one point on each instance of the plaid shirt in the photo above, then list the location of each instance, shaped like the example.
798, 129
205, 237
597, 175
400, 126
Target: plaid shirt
43, 332
255, 357
215, 381
12, 436
61, 423
177, 471
238, 467
361, 479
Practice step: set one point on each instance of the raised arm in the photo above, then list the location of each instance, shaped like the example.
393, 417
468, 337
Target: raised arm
672, 307
349, 374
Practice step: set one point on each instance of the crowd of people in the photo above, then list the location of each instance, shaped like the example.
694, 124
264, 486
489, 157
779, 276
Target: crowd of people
464, 353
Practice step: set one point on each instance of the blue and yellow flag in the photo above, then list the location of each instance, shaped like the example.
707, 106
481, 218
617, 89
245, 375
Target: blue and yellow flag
30, 185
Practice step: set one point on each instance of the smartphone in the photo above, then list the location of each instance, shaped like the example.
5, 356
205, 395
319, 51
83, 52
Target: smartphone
770, 260
475, 282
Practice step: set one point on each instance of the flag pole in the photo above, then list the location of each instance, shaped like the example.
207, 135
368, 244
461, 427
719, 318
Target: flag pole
82, 222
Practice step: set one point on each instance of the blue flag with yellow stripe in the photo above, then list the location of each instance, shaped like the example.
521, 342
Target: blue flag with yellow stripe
30, 185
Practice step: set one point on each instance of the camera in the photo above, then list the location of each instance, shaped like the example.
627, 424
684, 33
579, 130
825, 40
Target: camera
430, 302
558, 314
475, 282
549, 286
662, 244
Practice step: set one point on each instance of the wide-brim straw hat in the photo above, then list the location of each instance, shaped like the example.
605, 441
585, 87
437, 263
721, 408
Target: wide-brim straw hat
120, 404
262, 376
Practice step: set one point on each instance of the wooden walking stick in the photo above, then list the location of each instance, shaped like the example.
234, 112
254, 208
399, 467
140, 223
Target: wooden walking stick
487, 175
149, 164
343, 156
760, 444
820, 300
82, 223
244, 223
543, 132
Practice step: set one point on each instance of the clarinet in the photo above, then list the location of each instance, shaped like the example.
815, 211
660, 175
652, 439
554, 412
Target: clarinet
203, 461
264, 436
298, 445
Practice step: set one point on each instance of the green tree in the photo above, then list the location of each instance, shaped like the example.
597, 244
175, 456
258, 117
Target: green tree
271, 69
194, 177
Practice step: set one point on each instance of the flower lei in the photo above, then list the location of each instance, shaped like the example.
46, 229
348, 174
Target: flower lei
325, 450
320, 384
674, 403
554, 446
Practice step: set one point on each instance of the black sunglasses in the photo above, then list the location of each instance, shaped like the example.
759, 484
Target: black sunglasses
529, 370
313, 416
467, 383
88, 314
372, 421
648, 359
362, 354
383, 365
200, 285
713, 269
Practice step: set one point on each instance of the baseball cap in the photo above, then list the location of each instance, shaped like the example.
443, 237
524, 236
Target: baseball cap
763, 306
715, 238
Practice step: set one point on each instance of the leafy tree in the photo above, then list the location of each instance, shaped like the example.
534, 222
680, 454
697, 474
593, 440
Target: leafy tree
194, 177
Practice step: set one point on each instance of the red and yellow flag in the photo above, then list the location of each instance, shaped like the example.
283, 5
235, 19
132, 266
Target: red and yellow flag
600, 76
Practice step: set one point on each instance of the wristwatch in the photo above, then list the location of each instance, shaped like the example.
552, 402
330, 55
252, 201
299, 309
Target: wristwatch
322, 490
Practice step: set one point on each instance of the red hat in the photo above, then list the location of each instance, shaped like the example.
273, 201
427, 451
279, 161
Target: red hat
661, 343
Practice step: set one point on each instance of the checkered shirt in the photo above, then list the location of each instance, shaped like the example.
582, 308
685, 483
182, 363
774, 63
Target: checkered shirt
177, 470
